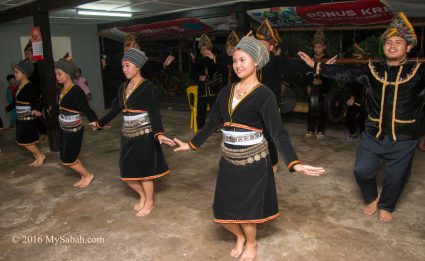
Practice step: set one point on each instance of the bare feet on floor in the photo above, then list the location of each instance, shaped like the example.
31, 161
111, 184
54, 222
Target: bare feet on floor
86, 181
146, 210
38, 161
237, 251
249, 253
385, 215
140, 204
78, 183
372, 207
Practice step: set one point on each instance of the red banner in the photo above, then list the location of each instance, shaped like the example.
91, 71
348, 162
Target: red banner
37, 44
175, 27
361, 12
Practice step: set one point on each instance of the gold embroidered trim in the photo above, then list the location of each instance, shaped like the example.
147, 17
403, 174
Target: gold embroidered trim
148, 178
252, 221
395, 102
401, 81
405, 121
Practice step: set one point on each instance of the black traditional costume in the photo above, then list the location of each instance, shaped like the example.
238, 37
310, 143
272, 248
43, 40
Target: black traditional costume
72, 104
245, 190
316, 117
207, 92
141, 156
25, 102
394, 101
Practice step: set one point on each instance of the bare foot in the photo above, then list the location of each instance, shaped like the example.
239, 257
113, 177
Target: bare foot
86, 181
385, 215
38, 161
372, 207
275, 168
237, 251
249, 253
140, 205
78, 183
146, 210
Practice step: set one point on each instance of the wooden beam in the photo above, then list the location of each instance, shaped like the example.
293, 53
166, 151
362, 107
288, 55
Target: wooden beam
48, 80
44, 5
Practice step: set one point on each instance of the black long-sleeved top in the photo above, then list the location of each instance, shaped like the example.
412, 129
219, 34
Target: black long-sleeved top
394, 96
277, 68
143, 99
204, 66
326, 84
26, 96
257, 111
75, 102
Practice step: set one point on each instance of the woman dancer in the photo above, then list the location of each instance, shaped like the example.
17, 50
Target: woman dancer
73, 102
27, 135
245, 193
141, 158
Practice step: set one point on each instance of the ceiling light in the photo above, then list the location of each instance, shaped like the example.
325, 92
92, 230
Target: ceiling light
104, 13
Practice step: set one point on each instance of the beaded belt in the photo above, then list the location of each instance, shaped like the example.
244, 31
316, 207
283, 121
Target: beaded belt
242, 138
137, 127
70, 123
23, 113
241, 157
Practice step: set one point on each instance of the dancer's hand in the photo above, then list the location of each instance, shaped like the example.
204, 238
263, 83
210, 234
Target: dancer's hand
168, 60
181, 145
307, 59
163, 139
209, 54
332, 60
309, 170
93, 125
36, 113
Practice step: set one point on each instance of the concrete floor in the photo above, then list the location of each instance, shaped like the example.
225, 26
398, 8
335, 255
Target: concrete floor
321, 216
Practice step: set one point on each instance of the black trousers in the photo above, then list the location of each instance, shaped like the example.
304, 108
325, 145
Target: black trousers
355, 119
317, 118
397, 157
202, 109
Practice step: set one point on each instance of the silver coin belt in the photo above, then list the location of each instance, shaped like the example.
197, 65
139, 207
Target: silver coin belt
24, 116
136, 128
241, 157
71, 126
242, 138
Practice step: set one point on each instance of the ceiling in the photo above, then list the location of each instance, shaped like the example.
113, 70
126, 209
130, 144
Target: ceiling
138, 8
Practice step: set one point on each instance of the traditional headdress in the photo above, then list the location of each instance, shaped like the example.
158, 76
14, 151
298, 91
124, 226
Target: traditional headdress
278, 38
319, 37
136, 57
401, 26
204, 40
130, 41
255, 49
232, 39
25, 67
66, 65
265, 32
359, 52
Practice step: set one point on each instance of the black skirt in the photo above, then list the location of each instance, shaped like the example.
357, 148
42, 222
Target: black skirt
141, 158
27, 132
71, 146
245, 194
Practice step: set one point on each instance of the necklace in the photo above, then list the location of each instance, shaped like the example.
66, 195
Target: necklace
240, 94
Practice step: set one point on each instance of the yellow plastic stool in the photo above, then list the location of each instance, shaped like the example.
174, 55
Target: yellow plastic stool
193, 90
